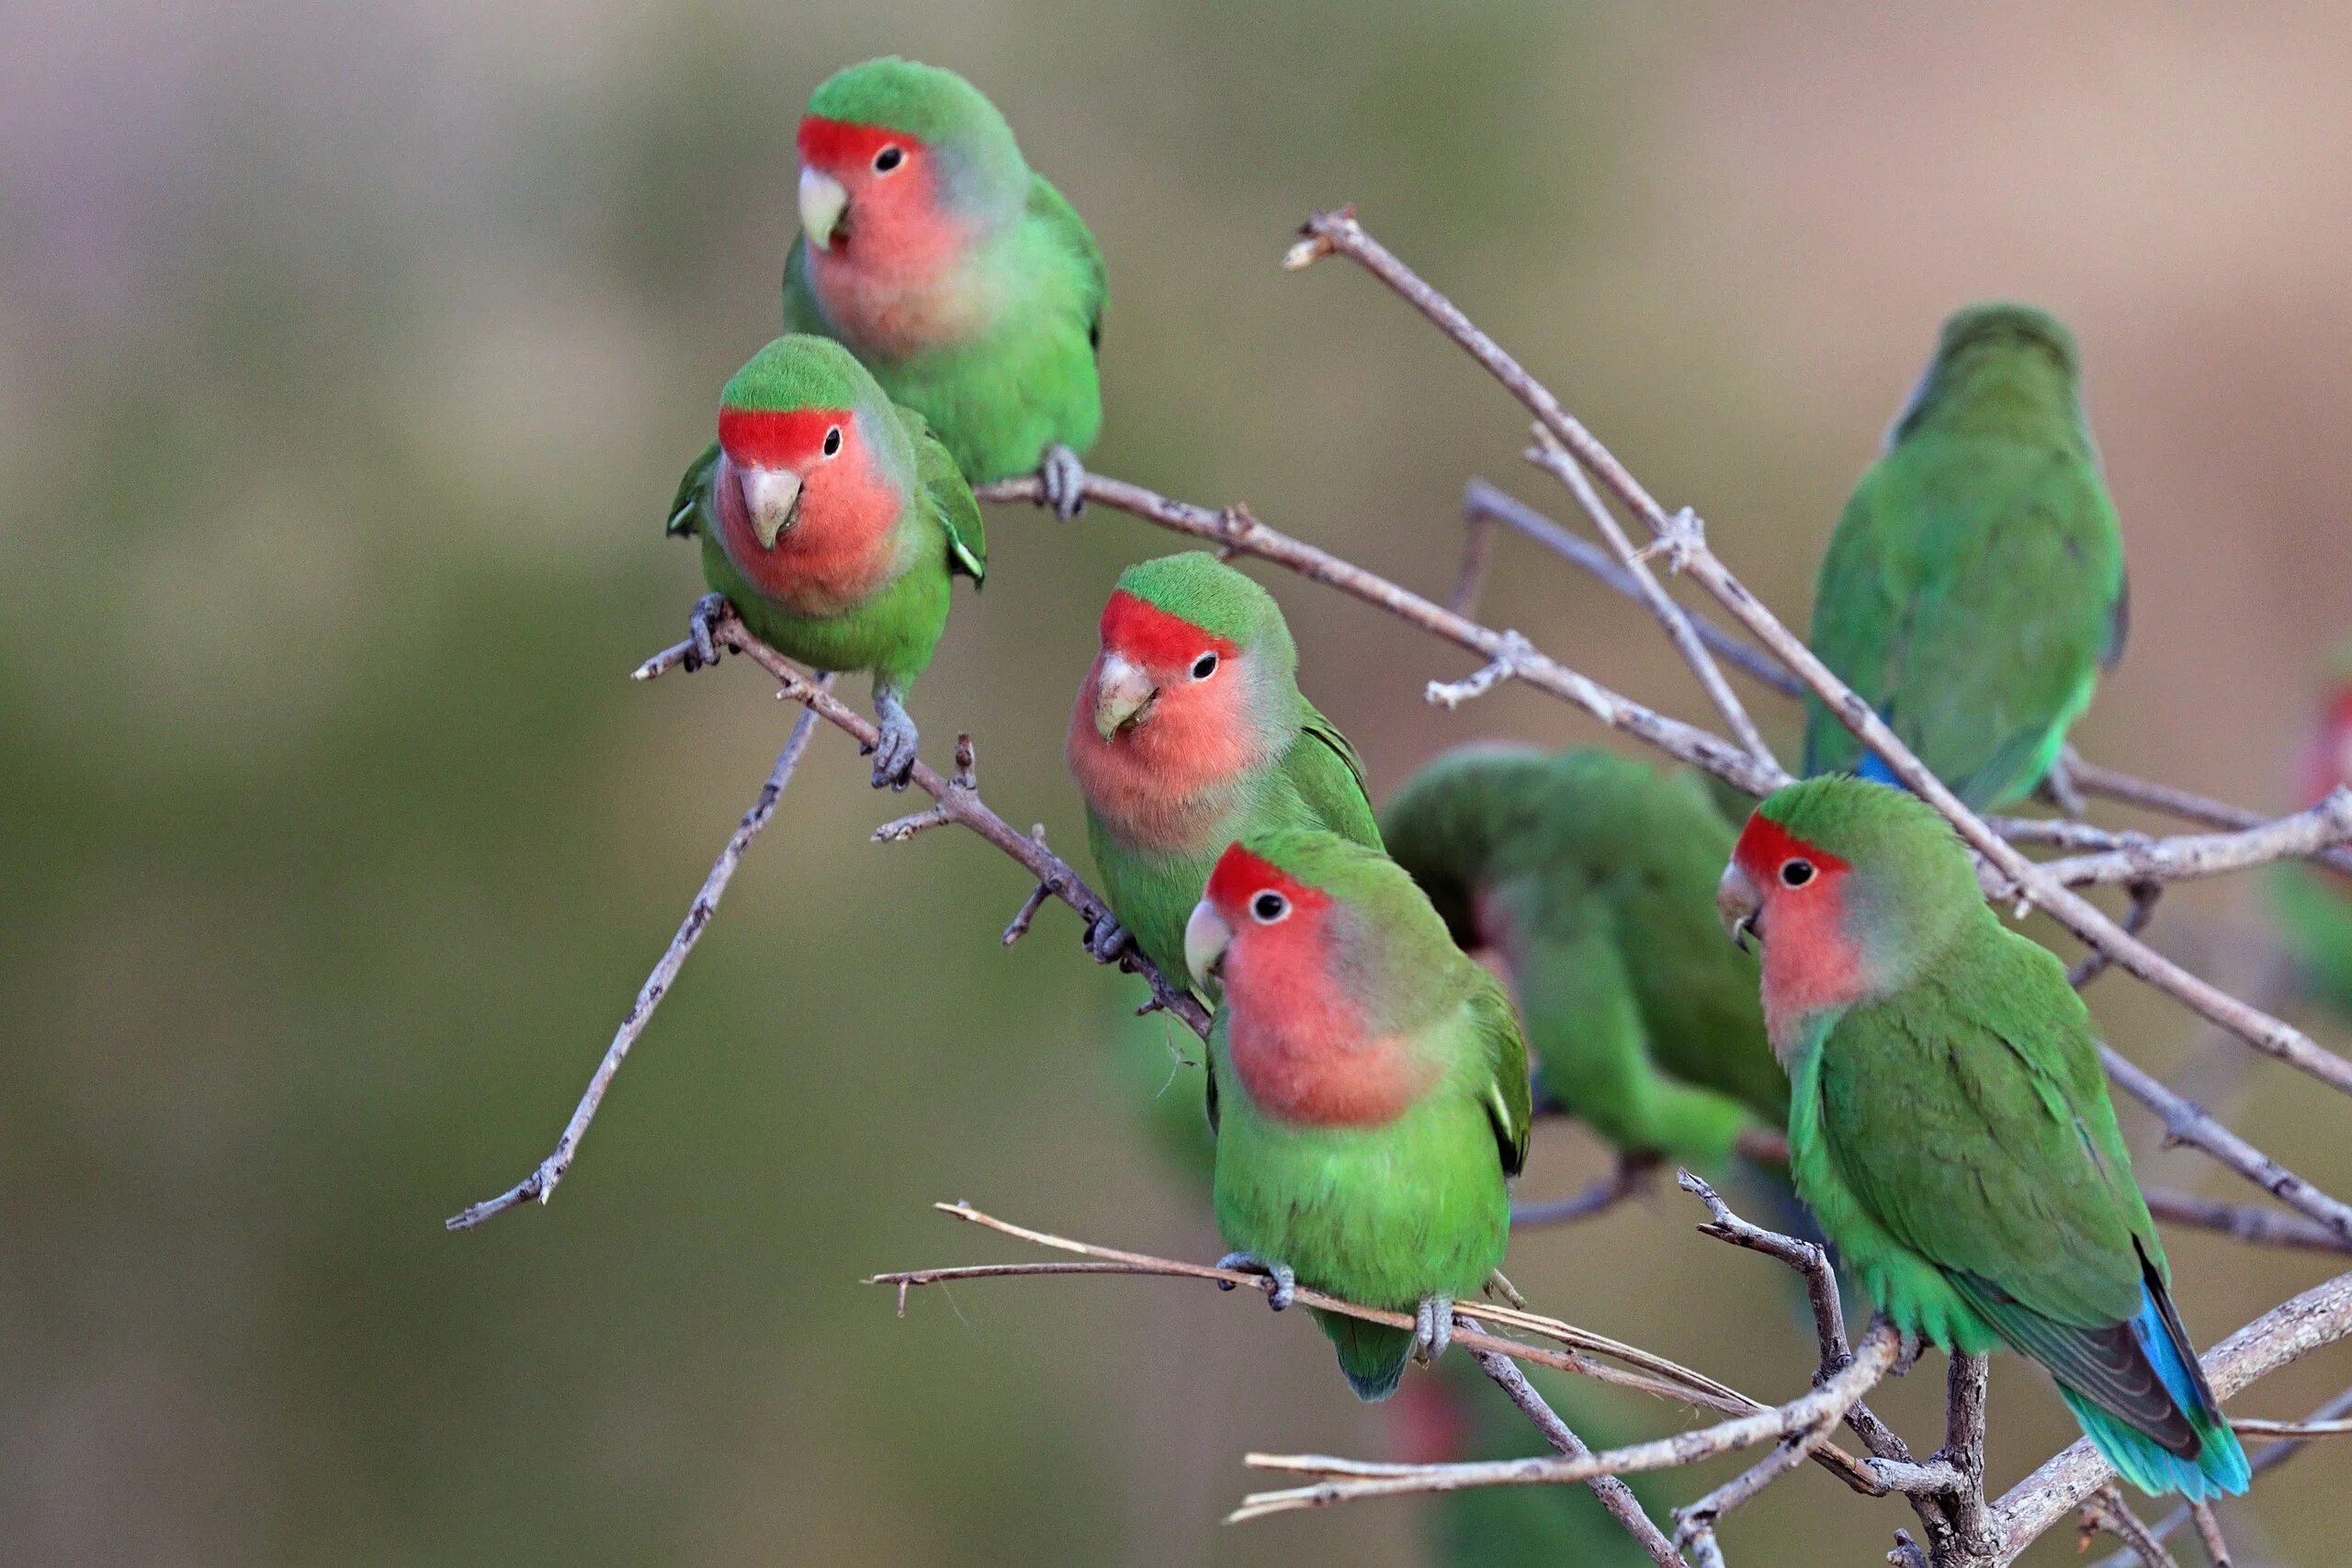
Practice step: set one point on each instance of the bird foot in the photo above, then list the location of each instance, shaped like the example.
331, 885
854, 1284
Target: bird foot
1432, 1329
893, 742
1062, 478
1285, 1282
708, 610
1104, 939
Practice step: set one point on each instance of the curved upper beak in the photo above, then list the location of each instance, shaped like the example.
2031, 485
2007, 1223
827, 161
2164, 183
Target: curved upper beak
1122, 697
823, 199
1739, 904
1207, 936
771, 498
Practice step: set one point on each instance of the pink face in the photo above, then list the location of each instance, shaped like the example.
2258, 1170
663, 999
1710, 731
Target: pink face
1162, 723
2327, 760
802, 508
1300, 1041
1811, 961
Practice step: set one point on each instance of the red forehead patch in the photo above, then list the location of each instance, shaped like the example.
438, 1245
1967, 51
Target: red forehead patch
1240, 875
2328, 759
780, 438
833, 145
1143, 633
1764, 844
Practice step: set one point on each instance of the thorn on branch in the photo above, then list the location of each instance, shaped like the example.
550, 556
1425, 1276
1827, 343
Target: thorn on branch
1314, 244
1019, 925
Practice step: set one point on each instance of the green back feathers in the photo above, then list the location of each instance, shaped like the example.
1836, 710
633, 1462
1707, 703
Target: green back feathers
979, 161
949, 498
1198, 588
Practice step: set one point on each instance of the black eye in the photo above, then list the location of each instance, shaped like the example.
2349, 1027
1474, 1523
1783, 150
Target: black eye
1203, 667
1268, 907
833, 439
1795, 873
888, 159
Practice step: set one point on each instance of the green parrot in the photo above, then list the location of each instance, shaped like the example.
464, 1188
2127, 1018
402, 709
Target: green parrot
1950, 1125
2314, 904
831, 521
1190, 732
1593, 878
963, 280
1368, 1087
1974, 588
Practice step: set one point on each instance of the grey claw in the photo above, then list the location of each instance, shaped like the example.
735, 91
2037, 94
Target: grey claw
1105, 938
1062, 478
708, 609
895, 742
1432, 1329
1285, 1289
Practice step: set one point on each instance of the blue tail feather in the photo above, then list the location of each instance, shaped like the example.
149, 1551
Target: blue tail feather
2220, 1466
1873, 768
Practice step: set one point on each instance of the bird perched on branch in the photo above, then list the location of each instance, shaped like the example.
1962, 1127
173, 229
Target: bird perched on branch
1190, 732
2314, 903
1950, 1123
1593, 878
961, 278
832, 520
1368, 1087
1974, 587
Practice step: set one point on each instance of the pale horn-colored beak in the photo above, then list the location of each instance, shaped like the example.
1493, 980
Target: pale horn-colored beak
1207, 936
772, 500
1739, 904
822, 201
1122, 695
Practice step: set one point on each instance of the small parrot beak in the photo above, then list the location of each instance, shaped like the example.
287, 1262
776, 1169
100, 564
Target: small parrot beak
772, 498
1205, 938
1122, 697
1739, 904
822, 201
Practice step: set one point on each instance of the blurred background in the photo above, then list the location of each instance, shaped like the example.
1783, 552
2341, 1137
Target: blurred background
347, 357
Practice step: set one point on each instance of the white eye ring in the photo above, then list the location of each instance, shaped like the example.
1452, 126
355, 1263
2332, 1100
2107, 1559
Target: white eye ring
1205, 666
888, 159
1269, 908
1795, 873
833, 439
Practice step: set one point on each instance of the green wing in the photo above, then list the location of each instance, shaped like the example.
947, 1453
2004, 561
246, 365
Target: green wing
1054, 213
1505, 1093
1970, 1117
950, 499
688, 507
1328, 775
1969, 594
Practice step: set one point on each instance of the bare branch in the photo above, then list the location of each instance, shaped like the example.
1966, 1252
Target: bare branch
2106, 1510
1614, 1495
539, 1186
2259, 1228
2152, 861
1451, 695
1634, 1174
2094, 963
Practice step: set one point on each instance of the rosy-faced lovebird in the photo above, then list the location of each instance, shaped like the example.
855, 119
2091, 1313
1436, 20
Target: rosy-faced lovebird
2314, 904
1592, 877
1368, 1088
1950, 1125
963, 280
1974, 587
1190, 732
831, 521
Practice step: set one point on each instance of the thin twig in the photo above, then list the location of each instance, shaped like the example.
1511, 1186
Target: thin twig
539, 1186
1615, 1496
2142, 908
2152, 861
2105, 1509
2208, 1531
1633, 1176
2325, 1418
2259, 1228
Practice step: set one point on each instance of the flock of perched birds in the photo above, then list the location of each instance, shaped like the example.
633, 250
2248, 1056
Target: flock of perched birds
1948, 1122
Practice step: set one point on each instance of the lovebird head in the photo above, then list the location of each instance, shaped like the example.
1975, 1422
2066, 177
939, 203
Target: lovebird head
902, 168
1853, 889
1194, 686
1331, 963
2001, 366
2327, 750
813, 461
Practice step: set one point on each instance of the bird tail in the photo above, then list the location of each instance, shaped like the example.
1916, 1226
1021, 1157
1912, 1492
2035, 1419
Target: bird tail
2217, 1466
1873, 768
1373, 1354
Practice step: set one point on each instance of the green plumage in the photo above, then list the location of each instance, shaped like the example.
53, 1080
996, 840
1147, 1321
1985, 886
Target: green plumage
1976, 585
1023, 378
938, 533
1594, 878
1390, 1214
1951, 1131
1311, 776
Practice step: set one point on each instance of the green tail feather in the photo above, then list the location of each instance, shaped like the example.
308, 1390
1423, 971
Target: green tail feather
1373, 1354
